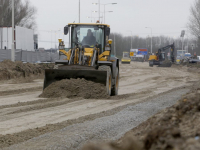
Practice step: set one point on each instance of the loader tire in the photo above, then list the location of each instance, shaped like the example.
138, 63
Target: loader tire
108, 79
114, 90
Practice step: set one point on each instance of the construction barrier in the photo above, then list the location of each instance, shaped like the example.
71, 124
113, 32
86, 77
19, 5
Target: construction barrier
29, 56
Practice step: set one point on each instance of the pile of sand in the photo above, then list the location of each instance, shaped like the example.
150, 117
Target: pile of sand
75, 88
12, 70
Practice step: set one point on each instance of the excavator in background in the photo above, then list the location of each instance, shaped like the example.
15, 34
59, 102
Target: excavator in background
160, 60
88, 57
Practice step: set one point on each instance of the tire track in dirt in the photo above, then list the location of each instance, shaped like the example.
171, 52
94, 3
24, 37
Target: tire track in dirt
53, 102
36, 111
10, 139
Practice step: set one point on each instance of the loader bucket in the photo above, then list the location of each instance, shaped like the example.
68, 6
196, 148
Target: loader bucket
52, 75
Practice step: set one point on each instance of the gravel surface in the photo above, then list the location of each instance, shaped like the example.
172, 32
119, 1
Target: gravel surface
106, 128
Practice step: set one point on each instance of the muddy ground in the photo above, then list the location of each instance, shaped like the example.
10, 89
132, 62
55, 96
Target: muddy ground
28, 121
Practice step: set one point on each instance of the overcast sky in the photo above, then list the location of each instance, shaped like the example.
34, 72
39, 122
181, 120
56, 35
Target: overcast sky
166, 17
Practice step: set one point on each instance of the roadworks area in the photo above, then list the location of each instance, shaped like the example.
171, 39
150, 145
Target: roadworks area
175, 128
157, 108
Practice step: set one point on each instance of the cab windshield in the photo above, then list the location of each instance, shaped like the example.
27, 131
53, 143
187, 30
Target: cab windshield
87, 36
125, 54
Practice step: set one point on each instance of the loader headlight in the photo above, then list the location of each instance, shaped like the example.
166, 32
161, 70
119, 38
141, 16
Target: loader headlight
110, 41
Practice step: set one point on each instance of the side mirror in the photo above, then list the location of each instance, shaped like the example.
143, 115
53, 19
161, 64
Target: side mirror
66, 30
107, 31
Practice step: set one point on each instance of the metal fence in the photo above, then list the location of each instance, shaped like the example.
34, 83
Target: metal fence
29, 56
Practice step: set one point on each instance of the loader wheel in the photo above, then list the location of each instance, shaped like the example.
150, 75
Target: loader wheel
114, 90
108, 79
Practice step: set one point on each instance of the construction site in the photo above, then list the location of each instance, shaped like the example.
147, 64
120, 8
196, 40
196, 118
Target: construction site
98, 89
155, 108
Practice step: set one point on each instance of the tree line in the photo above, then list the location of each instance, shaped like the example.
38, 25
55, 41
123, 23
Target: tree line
25, 13
192, 45
123, 43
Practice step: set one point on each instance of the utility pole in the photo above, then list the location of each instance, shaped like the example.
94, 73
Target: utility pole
104, 14
131, 37
2, 27
151, 38
99, 10
13, 38
79, 11
114, 46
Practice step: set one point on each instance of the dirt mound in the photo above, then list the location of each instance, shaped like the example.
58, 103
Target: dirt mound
75, 88
12, 70
129, 143
178, 127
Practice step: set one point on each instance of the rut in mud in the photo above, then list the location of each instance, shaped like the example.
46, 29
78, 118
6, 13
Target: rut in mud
72, 88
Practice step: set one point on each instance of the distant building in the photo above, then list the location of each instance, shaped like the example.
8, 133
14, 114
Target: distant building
24, 38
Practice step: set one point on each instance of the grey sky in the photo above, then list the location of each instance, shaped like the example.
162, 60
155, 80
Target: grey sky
166, 17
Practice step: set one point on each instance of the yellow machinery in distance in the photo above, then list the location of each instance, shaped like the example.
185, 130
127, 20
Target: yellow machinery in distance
160, 58
88, 57
126, 58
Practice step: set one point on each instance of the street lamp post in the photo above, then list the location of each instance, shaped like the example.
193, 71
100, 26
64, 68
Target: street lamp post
2, 27
151, 38
91, 14
79, 11
13, 38
103, 16
131, 37
104, 8
114, 47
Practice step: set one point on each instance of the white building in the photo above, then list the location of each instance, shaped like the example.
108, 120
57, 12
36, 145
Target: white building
24, 38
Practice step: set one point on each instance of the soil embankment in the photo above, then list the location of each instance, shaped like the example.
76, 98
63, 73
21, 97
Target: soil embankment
19, 70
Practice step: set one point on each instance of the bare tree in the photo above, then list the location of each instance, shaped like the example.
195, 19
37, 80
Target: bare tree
24, 13
194, 20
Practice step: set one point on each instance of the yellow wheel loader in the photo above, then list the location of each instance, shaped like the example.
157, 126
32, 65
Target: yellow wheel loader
88, 57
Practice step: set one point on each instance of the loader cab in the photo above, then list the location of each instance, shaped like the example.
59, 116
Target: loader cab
162, 56
126, 55
88, 35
